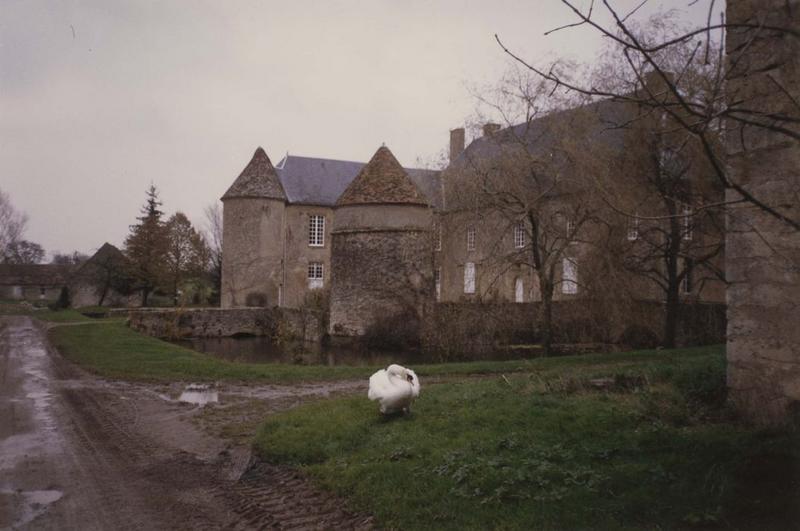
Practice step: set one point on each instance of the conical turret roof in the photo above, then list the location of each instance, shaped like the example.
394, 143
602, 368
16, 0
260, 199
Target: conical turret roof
382, 180
258, 179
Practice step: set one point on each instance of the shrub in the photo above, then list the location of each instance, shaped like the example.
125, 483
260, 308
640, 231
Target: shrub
63, 302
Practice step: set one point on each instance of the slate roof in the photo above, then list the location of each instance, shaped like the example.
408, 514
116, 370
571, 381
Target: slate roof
382, 180
34, 274
600, 122
258, 179
106, 255
604, 121
316, 181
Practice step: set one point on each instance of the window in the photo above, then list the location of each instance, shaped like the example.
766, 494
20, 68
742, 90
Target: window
42, 292
437, 279
316, 231
687, 284
519, 291
687, 223
519, 236
437, 234
315, 275
469, 277
570, 228
569, 277
470, 238
633, 228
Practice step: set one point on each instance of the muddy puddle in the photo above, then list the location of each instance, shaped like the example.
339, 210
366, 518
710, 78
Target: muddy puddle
199, 395
30, 504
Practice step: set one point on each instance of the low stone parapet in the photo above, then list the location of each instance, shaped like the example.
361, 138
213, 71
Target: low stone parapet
176, 323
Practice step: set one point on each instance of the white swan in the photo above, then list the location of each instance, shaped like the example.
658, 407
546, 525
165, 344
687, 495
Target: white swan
395, 388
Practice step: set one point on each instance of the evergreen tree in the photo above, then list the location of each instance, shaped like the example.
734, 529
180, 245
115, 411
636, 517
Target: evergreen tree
146, 246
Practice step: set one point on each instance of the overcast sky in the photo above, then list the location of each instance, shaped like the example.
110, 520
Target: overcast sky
100, 98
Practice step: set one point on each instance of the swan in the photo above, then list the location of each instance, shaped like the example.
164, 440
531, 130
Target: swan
395, 388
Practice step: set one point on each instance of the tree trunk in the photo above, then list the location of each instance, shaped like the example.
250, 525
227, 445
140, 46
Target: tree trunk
546, 287
671, 317
103, 294
145, 296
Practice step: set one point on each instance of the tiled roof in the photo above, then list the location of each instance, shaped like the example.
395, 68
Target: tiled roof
107, 255
382, 180
34, 274
258, 179
316, 181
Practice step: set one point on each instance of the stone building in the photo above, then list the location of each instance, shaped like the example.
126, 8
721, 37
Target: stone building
33, 282
387, 241
102, 280
278, 222
381, 257
763, 252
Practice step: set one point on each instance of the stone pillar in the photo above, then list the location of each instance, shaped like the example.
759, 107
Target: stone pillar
762, 252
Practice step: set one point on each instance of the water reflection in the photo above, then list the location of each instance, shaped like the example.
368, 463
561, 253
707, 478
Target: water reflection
258, 349
199, 395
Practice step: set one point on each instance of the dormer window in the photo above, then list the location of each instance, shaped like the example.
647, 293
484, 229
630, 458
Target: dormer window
316, 231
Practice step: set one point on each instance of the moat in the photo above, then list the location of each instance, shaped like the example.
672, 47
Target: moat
261, 349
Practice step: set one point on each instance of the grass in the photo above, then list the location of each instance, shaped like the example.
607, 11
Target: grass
41, 312
110, 349
541, 449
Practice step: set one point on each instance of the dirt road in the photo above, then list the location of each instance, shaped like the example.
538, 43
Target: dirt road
78, 452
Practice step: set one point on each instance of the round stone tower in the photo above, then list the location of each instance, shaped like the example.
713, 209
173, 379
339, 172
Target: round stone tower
252, 240
382, 256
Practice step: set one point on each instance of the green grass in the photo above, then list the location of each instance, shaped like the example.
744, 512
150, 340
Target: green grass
541, 450
110, 349
42, 312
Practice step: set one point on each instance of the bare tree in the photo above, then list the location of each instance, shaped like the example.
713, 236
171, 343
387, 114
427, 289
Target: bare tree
23, 252
649, 50
213, 215
12, 223
527, 185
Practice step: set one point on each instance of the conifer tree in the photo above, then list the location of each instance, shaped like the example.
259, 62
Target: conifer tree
146, 246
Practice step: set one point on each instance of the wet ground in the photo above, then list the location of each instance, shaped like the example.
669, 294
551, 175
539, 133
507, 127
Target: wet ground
79, 452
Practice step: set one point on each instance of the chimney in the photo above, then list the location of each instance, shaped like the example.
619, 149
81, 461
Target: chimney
490, 128
456, 142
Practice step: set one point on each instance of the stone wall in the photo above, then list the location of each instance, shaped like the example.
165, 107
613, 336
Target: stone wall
762, 252
175, 323
253, 230
469, 329
379, 274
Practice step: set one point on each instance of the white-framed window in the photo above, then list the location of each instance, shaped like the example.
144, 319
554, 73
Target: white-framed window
437, 280
315, 275
519, 236
469, 277
437, 236
687, 223
316, 231
633, 228
470, 238
687, 284
569, 277
519, 290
